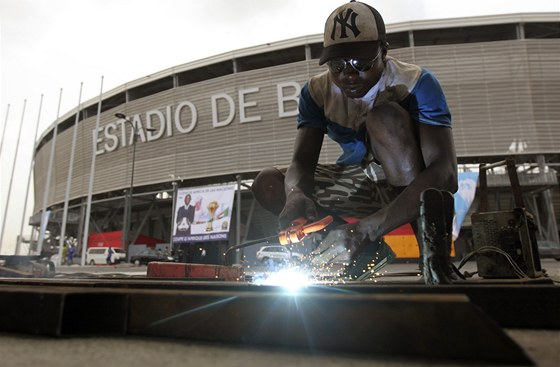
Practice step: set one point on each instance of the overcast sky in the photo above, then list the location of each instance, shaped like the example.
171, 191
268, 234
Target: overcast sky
49, 45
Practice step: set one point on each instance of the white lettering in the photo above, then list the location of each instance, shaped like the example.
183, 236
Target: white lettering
122, 124
111, 137
243, 105
138, 129
150, 124
168, 121
283, 98
194, 117
97, 140
215, 114
183, 118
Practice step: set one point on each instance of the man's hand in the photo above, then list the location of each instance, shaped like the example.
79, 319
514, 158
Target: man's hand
297, 205
339, 246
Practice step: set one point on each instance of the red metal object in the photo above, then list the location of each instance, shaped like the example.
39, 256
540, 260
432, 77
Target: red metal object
297, 230
114, 239
199, 271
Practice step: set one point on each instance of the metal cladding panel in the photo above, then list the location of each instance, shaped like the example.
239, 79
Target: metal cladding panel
489, 88
61, 162
230, 124
501, 94
60, 166
544, 72
81, 165
110, 169
229, 138
40, 168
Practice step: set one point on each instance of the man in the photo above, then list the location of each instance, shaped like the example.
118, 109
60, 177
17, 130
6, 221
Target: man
110, 254
185, 216
391, 121
70, 255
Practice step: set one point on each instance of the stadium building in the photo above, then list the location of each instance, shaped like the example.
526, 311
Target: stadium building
222, 119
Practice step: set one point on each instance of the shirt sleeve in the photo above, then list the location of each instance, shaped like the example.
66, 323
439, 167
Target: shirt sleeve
310, 114
427, 103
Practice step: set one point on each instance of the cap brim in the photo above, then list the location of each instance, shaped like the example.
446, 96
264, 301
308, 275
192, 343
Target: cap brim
354, 50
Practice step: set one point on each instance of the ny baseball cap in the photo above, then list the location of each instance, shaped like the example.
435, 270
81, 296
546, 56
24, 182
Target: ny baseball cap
354, 30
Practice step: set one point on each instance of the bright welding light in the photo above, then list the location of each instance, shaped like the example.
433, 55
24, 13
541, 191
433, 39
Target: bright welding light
289, 279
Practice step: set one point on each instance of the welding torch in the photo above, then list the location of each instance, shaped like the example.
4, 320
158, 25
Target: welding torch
295, 233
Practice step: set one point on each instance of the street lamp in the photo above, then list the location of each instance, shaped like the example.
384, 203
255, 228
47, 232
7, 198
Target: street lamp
128, 209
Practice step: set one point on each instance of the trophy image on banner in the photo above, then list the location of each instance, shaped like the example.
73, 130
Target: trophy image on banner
212, 207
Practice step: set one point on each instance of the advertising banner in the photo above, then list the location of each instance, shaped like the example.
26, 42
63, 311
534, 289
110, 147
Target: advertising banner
463, 199
203, 213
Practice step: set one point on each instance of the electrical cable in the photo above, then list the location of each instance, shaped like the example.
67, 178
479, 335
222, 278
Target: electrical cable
247, 244
483, 249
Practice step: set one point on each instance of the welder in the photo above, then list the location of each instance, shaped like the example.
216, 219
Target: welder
393, 126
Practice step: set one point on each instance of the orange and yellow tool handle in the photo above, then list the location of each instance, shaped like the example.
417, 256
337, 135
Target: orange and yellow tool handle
297, 230
318, 225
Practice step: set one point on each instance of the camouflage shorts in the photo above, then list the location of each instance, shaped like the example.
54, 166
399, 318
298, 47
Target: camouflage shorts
351, 191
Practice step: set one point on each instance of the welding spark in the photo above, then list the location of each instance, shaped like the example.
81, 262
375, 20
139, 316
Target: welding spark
290, 279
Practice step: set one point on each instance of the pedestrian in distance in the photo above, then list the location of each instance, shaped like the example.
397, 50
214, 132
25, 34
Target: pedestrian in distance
110, 256
70, 255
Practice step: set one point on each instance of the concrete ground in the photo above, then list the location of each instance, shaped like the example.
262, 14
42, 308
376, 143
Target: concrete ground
26, 351
542, 345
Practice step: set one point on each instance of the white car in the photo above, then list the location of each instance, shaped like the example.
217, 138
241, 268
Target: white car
277, 253
99, 255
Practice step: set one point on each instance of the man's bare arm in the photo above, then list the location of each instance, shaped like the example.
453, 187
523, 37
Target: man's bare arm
438, 152
307, 148
299, 180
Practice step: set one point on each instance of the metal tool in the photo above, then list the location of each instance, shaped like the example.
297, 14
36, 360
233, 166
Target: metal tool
298, 230
295, 233
512, 232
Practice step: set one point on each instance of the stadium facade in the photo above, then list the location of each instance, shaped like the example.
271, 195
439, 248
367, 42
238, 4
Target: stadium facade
222, 119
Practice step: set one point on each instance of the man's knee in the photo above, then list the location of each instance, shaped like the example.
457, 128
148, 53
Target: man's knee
395, 143
268, 189
389, 120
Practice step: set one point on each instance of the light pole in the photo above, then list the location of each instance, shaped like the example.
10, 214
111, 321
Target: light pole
128, 209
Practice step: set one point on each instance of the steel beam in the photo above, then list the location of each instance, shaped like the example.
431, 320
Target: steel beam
429, 326
532, 305
443, 326
60, 311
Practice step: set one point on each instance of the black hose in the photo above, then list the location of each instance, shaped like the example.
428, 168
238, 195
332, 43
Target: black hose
247, 244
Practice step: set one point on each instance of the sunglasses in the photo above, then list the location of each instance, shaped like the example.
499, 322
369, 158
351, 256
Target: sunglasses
339, 64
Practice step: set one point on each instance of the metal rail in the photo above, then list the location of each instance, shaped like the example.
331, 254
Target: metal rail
363, 319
